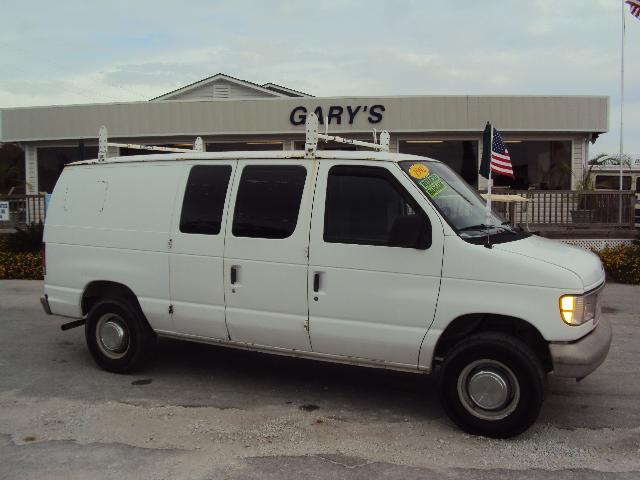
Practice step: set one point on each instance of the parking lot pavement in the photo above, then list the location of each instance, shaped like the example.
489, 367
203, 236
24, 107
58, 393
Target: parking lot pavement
209, 412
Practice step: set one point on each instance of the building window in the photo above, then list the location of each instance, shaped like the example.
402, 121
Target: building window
11, 169
460, 155
612, 182
204, 198
128, 152
268, 201
258, 145
51, 161
538, 164
322, 145
364, 206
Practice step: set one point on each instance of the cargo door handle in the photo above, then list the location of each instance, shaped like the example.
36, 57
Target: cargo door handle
234, 274
316, 282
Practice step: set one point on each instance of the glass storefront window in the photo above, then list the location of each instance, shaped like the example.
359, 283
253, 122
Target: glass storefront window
538, 164
11, 169
460, 155
322, 145
244, 146
51, 161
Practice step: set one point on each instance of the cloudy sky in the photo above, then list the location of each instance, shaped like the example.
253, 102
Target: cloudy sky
106, 51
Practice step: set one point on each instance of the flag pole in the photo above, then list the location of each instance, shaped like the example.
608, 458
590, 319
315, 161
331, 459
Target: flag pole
621, 107
489, 188
489, 181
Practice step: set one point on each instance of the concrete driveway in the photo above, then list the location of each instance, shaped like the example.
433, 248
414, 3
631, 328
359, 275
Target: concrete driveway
202, 412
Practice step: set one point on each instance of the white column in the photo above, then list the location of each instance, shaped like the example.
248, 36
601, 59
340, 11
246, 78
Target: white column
31, 169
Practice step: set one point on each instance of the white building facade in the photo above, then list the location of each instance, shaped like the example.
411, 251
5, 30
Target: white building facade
548, 136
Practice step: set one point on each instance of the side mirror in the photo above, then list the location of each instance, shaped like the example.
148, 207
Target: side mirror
410, 231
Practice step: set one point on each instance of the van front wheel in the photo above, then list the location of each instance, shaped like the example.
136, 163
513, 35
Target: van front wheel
117, 335
492, 384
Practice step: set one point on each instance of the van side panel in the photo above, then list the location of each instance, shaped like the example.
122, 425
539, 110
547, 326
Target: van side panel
102, 225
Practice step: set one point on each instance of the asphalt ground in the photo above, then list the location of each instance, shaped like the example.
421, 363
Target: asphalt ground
203, 412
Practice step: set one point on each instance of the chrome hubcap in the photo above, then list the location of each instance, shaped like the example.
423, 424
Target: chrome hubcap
488, 389
112, 335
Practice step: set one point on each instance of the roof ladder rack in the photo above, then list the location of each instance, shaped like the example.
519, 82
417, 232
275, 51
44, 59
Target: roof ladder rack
311, 141
104, 144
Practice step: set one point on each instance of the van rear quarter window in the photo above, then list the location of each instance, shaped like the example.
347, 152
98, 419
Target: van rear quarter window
268, 201
204, 198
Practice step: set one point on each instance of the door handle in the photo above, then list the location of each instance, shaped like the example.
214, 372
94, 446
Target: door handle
234, 274
316, 282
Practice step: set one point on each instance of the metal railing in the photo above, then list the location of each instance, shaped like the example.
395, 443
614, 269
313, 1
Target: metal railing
562, 209
568, 209
23, 210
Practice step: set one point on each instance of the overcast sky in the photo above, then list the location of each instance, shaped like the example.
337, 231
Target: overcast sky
105, 51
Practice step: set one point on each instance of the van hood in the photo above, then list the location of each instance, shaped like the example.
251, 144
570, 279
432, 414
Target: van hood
586, 265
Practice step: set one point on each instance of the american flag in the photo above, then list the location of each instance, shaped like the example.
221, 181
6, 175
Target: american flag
500, 159
634, 5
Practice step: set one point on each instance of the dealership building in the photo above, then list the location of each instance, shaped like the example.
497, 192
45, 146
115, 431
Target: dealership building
548, 137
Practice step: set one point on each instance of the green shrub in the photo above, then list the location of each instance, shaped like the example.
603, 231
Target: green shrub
622, 263
22, 265
27, 239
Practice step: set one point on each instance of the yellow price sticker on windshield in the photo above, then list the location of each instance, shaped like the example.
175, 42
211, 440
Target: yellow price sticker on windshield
418, 171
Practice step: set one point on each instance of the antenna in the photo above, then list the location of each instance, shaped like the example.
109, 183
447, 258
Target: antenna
312, 137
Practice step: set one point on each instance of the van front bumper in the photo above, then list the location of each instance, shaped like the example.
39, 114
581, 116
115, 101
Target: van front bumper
580, 358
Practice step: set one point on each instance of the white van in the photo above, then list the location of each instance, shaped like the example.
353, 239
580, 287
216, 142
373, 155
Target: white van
368, 258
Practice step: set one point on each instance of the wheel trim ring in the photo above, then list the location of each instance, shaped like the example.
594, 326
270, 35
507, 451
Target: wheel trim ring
500, 370
112, 336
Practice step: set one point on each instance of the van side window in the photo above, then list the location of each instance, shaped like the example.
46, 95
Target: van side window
365, 206
268, 201
204, 197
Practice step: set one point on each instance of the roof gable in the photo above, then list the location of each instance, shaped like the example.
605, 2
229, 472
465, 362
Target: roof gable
289, 92
221, 86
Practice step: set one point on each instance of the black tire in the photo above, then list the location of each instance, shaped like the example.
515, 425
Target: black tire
123, 317
492, 358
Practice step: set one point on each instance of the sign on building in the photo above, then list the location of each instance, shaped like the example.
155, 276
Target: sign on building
4, 211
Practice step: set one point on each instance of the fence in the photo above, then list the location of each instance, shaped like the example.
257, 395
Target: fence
546, 209
23, 210
570, 209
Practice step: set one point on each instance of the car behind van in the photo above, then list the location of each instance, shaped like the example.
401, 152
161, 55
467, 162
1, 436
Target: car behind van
368, 258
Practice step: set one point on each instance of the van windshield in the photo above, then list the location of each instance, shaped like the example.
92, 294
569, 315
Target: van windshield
456, 200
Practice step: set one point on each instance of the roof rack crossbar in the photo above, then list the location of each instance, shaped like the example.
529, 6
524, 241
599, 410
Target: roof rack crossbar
104, 144
312, 137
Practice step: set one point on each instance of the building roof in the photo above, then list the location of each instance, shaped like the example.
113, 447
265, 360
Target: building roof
284, 116
223, 86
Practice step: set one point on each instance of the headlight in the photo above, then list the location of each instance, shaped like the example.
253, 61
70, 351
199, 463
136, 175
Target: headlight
578, 309
571, 309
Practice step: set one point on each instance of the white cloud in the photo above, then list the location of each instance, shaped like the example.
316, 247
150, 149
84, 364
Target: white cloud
81, 52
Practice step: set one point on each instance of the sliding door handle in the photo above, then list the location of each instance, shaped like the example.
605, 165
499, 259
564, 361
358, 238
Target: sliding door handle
234, 274
316, 282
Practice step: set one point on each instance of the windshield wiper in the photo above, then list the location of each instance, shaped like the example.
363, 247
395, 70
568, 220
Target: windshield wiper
480, 226
512, 228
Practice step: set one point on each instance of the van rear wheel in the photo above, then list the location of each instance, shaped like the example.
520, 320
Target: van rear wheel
117, 335
492, 384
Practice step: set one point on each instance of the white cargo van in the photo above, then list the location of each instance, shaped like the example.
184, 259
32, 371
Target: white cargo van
368, 258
